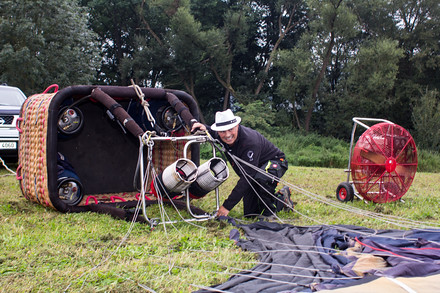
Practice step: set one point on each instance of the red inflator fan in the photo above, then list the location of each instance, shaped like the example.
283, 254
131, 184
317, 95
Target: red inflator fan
382, 164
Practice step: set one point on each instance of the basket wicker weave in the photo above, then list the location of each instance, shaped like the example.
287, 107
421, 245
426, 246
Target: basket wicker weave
106, 170
32, 170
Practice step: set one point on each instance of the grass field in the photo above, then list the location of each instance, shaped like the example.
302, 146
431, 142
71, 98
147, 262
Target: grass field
42, 250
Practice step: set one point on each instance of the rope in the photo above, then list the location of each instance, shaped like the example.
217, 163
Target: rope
85, 275
393, 220
222, 150
390, 219
402, 285
238, 161
250, 276
144, 103
7, 168
151, 173
264, 189
160, 199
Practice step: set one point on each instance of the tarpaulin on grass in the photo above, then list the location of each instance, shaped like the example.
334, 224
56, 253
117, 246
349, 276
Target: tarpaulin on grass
306, 259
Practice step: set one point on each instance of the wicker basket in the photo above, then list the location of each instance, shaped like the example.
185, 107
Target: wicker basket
104, 156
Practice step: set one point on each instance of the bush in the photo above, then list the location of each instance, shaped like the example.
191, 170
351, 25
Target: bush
426, 119
429, 161
313, 150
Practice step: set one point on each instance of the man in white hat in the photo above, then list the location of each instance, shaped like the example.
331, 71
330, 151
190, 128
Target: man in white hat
252, 147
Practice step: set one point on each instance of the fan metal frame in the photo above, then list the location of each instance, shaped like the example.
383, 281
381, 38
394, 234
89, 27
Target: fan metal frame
389, 166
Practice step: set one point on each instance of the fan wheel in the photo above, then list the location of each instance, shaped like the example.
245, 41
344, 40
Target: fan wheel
384, 163
345, 192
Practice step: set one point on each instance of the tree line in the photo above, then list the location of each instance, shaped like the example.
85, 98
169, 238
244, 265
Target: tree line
310, 65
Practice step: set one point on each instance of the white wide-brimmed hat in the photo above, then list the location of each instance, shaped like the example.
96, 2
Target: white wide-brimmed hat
225, 120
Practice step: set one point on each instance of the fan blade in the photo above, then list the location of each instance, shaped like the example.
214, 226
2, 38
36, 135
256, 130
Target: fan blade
373, 157
403, 170
380, 160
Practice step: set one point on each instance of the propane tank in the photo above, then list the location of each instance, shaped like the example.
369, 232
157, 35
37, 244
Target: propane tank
69, 190
69, 186
70, 120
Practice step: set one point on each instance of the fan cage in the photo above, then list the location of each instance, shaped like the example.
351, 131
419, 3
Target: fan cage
384, 163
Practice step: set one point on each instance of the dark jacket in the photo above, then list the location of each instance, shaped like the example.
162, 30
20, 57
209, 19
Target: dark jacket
252, 147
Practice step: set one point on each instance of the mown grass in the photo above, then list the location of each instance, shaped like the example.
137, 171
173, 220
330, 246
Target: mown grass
42, 250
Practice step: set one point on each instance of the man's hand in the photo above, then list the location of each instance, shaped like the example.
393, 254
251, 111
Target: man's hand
198, 125
222, 211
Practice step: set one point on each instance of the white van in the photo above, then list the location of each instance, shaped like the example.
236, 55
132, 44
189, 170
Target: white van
11, 99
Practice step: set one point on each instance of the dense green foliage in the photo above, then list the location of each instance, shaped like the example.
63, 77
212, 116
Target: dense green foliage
313, 150
426, 116
315, 63
46, 42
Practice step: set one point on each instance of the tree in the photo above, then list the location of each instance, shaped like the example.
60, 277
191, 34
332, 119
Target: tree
180, 41
300, 73
230, 50
323, 61
258, 115
332, 23
426, 119
289, 12
117, 24
372, 75
222, 45
188, 53
418, 28
40, 46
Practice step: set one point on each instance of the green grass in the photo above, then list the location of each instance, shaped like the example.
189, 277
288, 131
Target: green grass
42, 250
